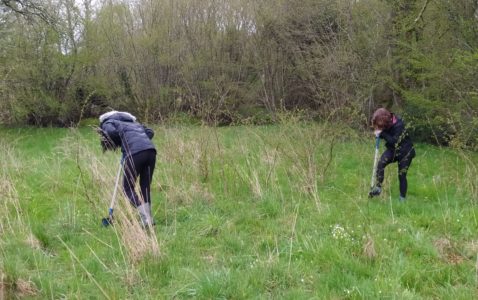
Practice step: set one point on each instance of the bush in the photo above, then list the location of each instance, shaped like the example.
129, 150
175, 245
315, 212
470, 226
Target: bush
182, 118
426, 119
88, 122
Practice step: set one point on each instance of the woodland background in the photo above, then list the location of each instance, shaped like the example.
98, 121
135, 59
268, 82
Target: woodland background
243, 61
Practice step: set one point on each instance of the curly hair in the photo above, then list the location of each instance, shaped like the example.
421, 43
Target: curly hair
382, 119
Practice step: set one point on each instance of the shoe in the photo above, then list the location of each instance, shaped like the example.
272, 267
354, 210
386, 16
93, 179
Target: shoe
375, 191
402, 199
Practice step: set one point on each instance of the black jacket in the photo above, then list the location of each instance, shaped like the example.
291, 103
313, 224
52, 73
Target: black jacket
397, 139
131, 136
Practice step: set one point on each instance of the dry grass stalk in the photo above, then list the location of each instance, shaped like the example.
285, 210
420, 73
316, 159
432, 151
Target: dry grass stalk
191, 154
471, 171
3, 286
305, 164
12, 220
250, 176
254, 183
24, 288
19, 289
187, 193
447, 251
33, 242
13, 223
9, 197
271, 159
369, 248
470, 249
138, 241
188, 161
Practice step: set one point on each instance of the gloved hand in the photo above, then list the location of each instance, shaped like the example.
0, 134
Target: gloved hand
105, 142
377, 132
375, 191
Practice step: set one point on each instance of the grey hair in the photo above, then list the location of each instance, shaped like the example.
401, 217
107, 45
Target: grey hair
105, 116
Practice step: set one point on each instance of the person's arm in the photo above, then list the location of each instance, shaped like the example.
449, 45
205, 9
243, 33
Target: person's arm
149, 132
393, 138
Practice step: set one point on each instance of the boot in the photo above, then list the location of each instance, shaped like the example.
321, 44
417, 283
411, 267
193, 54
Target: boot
150, 214
375, 191
144, 211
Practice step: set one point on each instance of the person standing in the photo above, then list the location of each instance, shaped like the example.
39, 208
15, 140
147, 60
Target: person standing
399, 148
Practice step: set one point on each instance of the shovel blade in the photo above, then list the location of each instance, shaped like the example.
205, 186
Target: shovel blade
107, 221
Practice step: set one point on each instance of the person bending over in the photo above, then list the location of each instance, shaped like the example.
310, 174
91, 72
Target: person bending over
120, 129
399, 148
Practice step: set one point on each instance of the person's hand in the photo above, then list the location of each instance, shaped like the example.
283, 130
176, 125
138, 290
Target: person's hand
377, 132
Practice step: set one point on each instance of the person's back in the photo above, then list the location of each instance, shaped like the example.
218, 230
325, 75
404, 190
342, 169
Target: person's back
131, 136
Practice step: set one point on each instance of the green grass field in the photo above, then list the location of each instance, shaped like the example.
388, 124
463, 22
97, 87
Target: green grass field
278, 212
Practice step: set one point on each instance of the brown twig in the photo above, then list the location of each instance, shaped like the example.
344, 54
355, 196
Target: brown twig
420, 15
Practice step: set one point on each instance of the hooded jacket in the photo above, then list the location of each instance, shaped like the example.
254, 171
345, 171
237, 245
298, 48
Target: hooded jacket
397, 139
123, 130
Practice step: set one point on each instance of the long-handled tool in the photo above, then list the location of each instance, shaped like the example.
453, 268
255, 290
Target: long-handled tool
375, 162
109, 220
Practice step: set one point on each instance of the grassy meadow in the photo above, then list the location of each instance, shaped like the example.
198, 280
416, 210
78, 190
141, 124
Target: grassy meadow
271, 212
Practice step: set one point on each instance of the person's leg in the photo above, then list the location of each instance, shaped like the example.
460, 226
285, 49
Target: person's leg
385, 159
129, 180
403, 165
146, 174
145, 163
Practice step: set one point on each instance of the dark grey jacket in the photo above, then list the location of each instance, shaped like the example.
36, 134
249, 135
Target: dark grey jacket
131, 136
397, 139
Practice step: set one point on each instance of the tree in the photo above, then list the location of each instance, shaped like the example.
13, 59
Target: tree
28, 8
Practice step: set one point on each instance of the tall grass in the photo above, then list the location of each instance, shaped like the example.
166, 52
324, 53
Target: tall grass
13, 225
96, 173
241, 212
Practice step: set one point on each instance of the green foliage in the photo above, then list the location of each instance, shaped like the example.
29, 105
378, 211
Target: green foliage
182, 119
88, 122
253, 116
427, 119
441, 115
243, 62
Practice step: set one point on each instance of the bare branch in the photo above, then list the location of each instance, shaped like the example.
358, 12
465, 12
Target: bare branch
28, 9
420, 15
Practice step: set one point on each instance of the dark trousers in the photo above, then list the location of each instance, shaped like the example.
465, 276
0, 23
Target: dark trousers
139, 165
404, 162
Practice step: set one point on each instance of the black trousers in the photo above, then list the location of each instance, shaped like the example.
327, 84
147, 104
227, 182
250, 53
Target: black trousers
139, 165
404, 162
